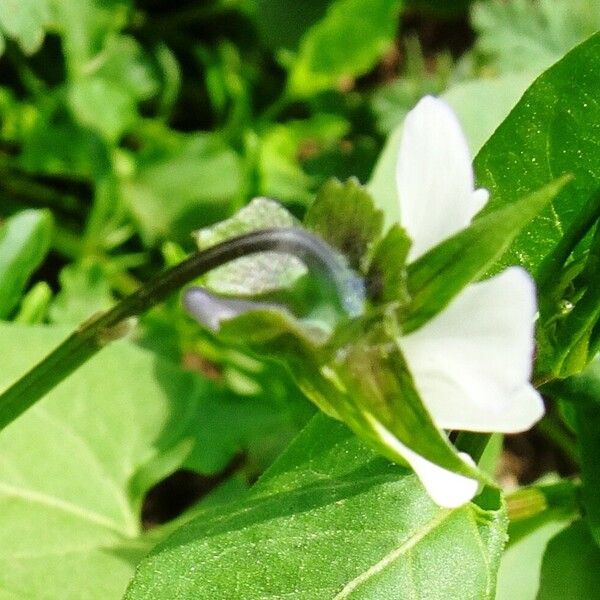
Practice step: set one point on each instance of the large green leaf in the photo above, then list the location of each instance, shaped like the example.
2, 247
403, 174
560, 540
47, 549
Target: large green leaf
74, 469
346, 43
24, 21
329, 520
24, 241
550, 132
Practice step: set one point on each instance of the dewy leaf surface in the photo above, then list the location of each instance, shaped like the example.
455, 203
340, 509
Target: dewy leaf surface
75, 467
257, 273
330, 519
553, 130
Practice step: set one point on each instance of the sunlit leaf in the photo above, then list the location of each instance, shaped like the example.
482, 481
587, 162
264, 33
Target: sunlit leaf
346, 43
330, 519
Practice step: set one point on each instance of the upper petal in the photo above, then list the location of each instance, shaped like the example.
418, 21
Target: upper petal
446, 489
472, 362
434, 176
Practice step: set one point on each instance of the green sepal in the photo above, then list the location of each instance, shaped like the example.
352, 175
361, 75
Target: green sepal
379, 387
438, 276
357, 375
387, 276
344, 215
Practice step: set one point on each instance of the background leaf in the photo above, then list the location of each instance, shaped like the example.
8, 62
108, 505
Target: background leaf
521, 34
346, 43
24, 21
24, 243
582, 392
327, 493
521, 563
571, 566
175, 187
75, 468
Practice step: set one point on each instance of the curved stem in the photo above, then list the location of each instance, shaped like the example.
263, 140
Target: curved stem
104, 327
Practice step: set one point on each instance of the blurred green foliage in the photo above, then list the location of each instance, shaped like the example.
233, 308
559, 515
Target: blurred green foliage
127, 124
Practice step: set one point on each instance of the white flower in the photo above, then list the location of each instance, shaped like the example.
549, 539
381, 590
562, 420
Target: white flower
472, 362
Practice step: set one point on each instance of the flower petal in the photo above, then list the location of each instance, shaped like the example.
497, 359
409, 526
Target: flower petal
472, 362
434, 176
446, 489
210, 310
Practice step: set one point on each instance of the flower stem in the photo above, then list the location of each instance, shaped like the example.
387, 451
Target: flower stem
98, 331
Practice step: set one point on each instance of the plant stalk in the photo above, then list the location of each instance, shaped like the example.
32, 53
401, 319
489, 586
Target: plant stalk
95, 333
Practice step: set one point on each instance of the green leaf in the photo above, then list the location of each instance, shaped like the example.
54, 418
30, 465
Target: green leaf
67, 514
574, 339
343, 214
571, 566
583, 393
24, 242
387, 275
179, 181
522, 35
281, 147
548, 134
105, 98
75, 468
25, 21
346, 43
282, 24
330, 519
436, 277
521, 563
85, 290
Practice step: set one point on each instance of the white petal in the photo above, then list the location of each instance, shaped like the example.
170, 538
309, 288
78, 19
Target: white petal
472, 362
434, 176
446, 489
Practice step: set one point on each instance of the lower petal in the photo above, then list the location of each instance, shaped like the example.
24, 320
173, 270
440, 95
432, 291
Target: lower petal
472, 362
446, 489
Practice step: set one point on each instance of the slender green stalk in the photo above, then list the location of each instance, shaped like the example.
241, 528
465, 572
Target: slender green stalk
94, 334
